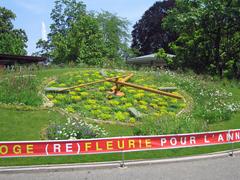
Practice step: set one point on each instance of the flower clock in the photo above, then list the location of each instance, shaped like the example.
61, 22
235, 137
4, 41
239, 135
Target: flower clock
114, 95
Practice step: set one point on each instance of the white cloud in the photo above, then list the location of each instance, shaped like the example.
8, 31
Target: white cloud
44, 31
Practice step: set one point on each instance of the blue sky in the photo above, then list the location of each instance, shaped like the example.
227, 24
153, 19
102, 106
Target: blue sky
31, 14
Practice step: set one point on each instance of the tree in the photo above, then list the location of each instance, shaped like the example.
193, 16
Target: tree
115, 34
209, 38
148, 34
80, 36
63, 15
12, 41
83, 43
44, 48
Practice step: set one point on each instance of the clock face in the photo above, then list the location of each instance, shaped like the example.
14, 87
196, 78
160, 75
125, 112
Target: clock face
88, 93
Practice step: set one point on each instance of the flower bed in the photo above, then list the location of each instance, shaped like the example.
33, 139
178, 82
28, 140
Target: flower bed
96, 102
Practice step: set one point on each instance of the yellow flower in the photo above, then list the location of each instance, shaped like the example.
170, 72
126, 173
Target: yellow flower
139, 80
62, 85
132, 120
96, 73
105, 116
76, 98
96, 113
105, 108
176, 93
72, 93
174, 100
140, 91
84, 94
51, 83
131, 90
164, 111
78, 89
95, 106
155, 106
152, 95
60, 97
139, 95
119, 116
143, 102
171, 114
157, 114
50, 96
107, 84
80, 81
87, 107
70, 109
155, 100
113, 102
91, 101
182, 105
123, 99
127, 105
163, 103
143, 107
55, 101
102, 88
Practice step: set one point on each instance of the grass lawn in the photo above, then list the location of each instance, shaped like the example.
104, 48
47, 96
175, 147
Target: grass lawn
24, 125
27, 125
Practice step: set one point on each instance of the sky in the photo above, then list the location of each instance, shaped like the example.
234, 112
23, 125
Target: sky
34, 15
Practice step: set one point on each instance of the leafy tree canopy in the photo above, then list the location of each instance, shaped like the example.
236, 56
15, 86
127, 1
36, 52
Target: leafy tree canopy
81, 36
12, 41
115, 34
148, 34
83, 43
209, 36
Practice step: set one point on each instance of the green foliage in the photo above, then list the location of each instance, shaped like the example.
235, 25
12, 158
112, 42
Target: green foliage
148, 34
209, 36
115, 34
211, 103
83, 43
169, 125
5, 21
94, 101
73, 129
161, 54
12, 41
13, 123
64, 14
84, 37
20, 87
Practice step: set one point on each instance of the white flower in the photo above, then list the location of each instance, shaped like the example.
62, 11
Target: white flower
72, 138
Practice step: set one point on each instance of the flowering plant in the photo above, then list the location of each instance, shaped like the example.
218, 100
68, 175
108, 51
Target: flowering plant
74, 129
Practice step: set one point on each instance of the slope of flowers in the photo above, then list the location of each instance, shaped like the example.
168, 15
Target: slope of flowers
96, 102
212, 103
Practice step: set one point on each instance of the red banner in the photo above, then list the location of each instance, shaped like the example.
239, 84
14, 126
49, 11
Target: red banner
116, 144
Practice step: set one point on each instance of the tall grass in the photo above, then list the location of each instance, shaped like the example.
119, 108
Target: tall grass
20, 85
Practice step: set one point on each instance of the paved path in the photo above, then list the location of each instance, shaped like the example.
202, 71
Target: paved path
225, 168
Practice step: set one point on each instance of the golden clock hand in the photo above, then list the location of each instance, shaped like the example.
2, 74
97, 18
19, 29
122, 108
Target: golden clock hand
147, 89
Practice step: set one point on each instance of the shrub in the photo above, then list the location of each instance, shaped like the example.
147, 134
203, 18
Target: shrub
73, 129
212, 103
169, 125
